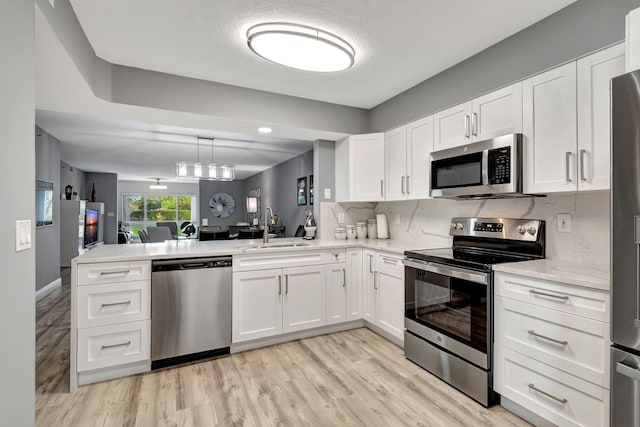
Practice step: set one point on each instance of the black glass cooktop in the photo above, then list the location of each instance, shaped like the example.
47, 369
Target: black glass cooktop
478, 259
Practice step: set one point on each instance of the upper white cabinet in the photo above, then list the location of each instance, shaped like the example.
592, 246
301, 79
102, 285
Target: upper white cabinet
567, 122
494, 114
407, 150
549, 127
633, 40
594, 115
359, 161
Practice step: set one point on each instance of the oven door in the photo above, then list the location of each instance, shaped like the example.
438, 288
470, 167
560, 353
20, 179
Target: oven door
450, 307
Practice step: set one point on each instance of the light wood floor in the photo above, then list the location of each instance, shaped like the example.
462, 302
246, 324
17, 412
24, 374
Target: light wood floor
344, 379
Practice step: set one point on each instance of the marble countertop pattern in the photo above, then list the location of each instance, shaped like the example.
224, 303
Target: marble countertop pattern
558, 271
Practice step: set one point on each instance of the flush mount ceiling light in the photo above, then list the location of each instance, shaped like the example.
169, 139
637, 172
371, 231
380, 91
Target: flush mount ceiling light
157, 185
300, 46
264, 130
213, 172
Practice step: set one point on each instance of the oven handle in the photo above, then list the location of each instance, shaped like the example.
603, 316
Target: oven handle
445, 270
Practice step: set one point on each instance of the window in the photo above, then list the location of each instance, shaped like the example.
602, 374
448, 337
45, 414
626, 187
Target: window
140, 210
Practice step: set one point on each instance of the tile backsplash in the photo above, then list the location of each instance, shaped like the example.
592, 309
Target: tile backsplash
425, 223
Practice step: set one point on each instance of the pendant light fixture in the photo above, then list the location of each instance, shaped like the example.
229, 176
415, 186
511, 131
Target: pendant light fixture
214, 172
300, 46
157, 185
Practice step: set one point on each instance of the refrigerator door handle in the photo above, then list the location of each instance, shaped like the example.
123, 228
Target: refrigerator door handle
636, 240
628, 371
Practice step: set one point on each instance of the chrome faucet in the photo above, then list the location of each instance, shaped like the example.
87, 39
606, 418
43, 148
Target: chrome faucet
265, 235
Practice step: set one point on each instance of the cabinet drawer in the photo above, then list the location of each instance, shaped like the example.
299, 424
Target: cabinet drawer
100, 305
113, 345
573, 344
517, 377
585, 302
297, 258
390, 264
111, 272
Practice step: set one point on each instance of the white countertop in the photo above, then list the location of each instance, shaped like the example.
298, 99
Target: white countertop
558, 271
193, 248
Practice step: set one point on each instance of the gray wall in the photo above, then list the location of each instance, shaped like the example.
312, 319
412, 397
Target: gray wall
325, 175
235, 189
70, 175
576, 30
48, 238
278, 190
17, 173
107, 193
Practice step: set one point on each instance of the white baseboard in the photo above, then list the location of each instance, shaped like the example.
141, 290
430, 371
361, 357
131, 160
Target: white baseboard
42, 292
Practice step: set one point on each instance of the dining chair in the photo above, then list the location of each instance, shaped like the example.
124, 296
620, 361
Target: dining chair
159, 234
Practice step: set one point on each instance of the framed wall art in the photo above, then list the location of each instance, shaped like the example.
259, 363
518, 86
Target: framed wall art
301, 191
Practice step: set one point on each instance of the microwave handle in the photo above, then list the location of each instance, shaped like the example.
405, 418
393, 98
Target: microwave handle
485, 167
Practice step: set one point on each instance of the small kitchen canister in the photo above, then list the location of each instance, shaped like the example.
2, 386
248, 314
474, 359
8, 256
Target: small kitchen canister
341, 233
351, 231
372, 228
361, 230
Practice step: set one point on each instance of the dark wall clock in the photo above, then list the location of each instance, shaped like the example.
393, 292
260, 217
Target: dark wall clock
222, 205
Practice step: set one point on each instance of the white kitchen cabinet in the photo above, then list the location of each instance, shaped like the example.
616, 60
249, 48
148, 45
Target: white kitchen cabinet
304, 299
336, 293
632, 38
257, 304
494, 114
594, 115
549, 128
369, 284
407, 162
359, 161
354, 283
390, 295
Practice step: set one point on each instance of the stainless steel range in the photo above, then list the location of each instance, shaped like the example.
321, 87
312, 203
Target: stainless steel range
449, 299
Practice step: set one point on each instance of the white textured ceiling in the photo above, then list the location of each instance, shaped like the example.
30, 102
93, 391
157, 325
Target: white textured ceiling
398, 43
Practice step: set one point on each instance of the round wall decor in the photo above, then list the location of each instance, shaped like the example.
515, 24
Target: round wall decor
222, 204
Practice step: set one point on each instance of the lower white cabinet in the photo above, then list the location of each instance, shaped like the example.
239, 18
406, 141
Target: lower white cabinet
383, 288
304, 303
336, 293
257, 304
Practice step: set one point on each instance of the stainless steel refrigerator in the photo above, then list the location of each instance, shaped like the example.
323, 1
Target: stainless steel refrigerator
625, 250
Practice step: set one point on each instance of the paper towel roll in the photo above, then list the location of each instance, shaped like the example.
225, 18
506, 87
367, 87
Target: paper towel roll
383, 226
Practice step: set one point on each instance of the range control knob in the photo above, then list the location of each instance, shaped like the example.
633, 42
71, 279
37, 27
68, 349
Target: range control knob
459, 226
532, 230
521, 229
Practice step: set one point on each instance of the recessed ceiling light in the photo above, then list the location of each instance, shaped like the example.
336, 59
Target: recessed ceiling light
300, 46
264, 130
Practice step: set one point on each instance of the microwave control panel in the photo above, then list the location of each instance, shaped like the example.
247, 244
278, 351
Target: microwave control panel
500, 166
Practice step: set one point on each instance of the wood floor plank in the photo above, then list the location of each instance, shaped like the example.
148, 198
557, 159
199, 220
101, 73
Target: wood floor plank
352, 378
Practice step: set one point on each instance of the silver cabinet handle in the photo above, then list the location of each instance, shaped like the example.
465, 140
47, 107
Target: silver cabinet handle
408, 188
544, 294
279, 284
474, 126
466, 126
534, 388
286, 284
344, 277
382, 188
115, 303
568, 166
375, 280
532, 332
582, 175
402, 184
109, 273
636, 241
628, 371
370, 264
390, 260
124, 344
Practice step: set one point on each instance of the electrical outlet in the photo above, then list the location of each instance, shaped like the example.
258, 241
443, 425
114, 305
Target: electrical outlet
396, 219
23, 235
564, 223
341, 217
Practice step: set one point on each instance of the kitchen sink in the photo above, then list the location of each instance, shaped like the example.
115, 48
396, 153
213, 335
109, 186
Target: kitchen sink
285, 244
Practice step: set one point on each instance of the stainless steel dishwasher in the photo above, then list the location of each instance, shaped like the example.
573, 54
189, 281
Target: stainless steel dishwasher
190, 309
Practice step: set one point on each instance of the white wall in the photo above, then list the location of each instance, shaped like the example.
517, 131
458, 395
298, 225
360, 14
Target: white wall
17, 174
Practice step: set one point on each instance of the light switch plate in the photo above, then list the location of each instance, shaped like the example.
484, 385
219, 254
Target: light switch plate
327, 193
23, 235
341, 217
564, 223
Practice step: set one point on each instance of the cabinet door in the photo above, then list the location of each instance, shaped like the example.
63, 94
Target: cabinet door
390, 302
354, 283
395, 148
257, 304
366, 167
497, 113
336, 293
549, 127
305, 298
419, 148
594, 110
369, 285
452, 127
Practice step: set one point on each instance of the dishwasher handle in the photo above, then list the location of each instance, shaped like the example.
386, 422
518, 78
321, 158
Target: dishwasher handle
191, 263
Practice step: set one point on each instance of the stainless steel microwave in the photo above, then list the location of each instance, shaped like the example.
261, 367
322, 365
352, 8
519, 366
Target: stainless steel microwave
484, 169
